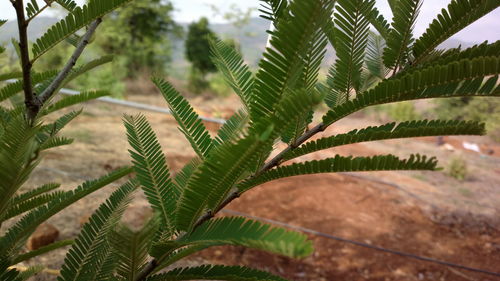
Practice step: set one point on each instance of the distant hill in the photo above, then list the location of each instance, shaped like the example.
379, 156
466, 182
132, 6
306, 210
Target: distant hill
252, 37
36, 28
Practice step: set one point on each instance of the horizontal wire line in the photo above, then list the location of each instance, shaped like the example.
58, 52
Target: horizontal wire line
361, 244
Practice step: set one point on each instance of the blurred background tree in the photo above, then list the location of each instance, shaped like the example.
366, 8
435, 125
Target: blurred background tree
140, 33
236, 16
198, 53
467, 108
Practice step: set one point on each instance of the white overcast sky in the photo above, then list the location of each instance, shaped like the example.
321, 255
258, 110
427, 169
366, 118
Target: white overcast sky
487, 28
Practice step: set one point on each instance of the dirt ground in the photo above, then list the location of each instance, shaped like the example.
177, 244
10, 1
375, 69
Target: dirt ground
424, 213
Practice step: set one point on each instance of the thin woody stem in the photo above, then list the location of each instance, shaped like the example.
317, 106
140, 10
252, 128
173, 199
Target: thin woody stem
63, 74
274, 162
33, 101
32, 106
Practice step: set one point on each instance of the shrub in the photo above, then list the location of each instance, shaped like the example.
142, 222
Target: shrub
457, 168
485, 110
278, 103
403, 111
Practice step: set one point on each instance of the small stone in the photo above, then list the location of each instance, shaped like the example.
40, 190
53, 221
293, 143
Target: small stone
44, 235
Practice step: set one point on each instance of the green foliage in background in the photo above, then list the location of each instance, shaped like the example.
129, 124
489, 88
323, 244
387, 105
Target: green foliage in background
457, 168
403, 111
278, 102
198, 47
139, 33
105, 77
198, 53
485, 110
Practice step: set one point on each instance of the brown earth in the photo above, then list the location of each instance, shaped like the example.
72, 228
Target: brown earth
424, 213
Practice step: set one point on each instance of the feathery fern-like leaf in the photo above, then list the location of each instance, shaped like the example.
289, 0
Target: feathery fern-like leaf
34, 192
481, 50
42, 250
47, 136
244, 232
309, 77
69, 5
183, 176
91, 247
233, 128
343, 164
19, 232
32, 8
274, 10
10, 75
74, 21
400, 38
55, 141
73, 100
458, 15
283, 63
13, 88
55, 127
188, 120
215, 272
16, 209
430, 82
107, 267
7, 274
180, 254
421, 128
17, 147
29, 272
151, 167
236, 73
132, 248
374, 57
379, 22
215, 177
82, 69
351, 35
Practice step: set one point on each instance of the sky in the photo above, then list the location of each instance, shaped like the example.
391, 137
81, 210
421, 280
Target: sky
487, 28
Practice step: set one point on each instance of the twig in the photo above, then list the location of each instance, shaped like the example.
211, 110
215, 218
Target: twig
276, 161
279, 158
56, 83
32, 106
147, 270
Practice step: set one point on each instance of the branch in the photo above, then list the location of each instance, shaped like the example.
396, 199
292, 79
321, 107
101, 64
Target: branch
56, 83
276, 161
32, 106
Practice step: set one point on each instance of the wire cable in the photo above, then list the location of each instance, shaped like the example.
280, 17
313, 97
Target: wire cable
361, 244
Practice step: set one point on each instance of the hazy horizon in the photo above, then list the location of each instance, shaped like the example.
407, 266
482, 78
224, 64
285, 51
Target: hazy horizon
485, 28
